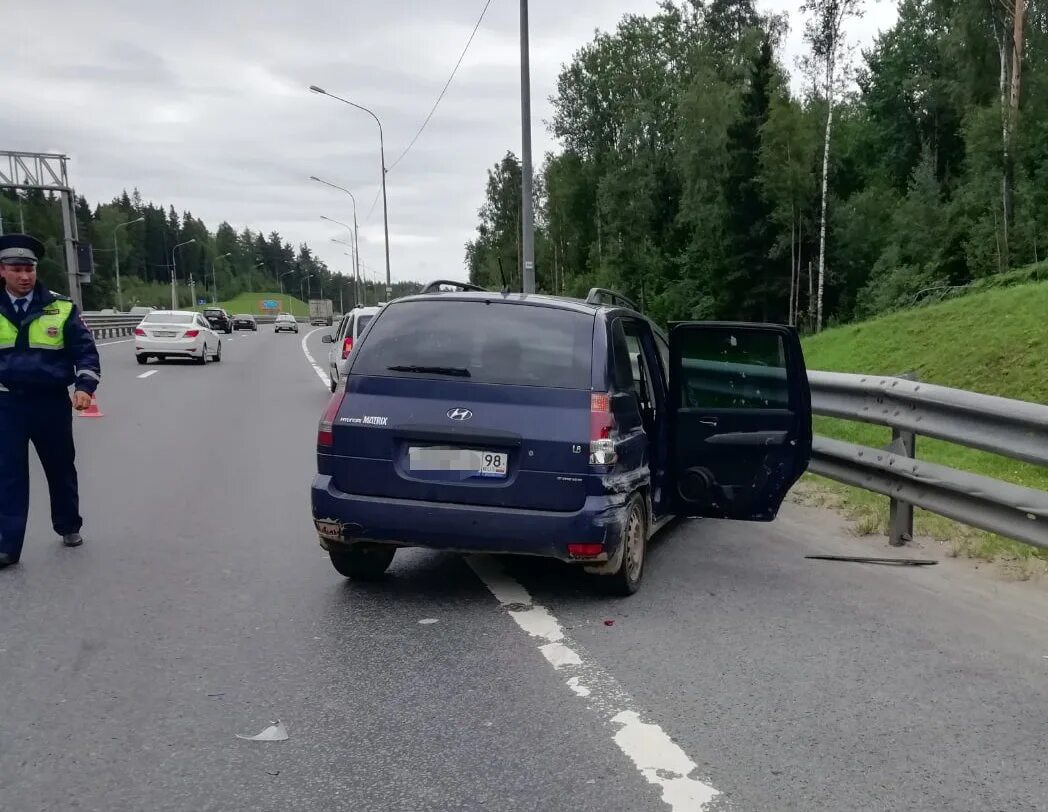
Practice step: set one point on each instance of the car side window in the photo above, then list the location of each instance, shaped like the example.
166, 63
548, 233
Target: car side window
663, 348
634, 346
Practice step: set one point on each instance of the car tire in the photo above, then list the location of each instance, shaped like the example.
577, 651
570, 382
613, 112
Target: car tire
633, 538
362, 562
218, 354
202, 360
142, 359
332, 384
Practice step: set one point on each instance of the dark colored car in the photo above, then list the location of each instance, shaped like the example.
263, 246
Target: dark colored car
486, 422
245, 321
219, 319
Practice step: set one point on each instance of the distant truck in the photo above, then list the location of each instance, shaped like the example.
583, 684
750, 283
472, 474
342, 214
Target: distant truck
321, 311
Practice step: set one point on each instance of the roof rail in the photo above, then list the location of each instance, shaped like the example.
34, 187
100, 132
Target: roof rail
598, 296
436, 284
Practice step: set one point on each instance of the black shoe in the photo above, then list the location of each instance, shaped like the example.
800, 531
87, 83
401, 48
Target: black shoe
72, 539
7, 560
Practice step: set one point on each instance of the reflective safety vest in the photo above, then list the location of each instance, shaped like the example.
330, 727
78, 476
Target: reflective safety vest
46, 331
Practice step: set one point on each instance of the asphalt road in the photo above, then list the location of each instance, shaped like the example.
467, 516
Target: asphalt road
742, 674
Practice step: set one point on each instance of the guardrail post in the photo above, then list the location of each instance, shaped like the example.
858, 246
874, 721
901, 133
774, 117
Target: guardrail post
900, 514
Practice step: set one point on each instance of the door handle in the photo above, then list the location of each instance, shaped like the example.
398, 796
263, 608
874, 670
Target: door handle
709, 421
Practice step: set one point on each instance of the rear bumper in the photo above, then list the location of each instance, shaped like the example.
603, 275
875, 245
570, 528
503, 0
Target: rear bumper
185, 347
464, 528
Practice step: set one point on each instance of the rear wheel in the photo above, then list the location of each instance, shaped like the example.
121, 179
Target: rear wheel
144, 359
362, 562
202, 360
634, 542
218, 354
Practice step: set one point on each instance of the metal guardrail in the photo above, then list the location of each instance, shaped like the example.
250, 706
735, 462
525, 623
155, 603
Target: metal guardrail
111, 326
105, 325
1012, 428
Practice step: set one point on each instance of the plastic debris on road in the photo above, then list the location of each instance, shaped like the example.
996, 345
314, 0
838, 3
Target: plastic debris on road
276, 732
427, 621
898, 562
609, 622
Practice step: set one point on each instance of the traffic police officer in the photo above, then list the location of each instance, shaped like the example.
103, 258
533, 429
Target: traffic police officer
44, 349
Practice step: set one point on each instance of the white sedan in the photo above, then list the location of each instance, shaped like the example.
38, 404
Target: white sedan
176, 334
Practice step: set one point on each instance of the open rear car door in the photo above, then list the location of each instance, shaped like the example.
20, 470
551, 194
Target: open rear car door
740, 418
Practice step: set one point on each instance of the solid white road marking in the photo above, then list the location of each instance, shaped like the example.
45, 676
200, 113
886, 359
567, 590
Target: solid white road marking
107, 343
147, 374
656, 756
313, 361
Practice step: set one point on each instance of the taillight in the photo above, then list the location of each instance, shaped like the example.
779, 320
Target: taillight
325, 433
602, 431
192, 333
347, 347
585, 550
139, 331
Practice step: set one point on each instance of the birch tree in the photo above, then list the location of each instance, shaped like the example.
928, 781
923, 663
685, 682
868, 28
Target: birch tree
824, 33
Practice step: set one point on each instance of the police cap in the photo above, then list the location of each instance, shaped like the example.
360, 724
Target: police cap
20, 249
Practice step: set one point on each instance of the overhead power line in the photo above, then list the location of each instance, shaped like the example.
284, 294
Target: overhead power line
447, 84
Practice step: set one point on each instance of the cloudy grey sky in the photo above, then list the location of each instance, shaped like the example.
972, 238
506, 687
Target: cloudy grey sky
204, 105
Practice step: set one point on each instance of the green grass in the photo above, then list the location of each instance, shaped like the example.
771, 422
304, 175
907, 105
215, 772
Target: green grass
252, 303
992, 341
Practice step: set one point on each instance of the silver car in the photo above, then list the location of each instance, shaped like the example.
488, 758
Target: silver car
285, 321
345, 336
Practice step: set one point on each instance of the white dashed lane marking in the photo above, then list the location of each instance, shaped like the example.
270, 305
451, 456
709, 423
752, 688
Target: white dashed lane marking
655, 755
147, 374
658, 758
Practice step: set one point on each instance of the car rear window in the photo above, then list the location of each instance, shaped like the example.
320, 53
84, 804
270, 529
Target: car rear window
496, 342
213, 313
362, 322
170, 318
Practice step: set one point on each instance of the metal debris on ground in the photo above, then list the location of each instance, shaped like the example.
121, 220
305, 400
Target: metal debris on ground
900, 562
609, 622
276, 732
427, 621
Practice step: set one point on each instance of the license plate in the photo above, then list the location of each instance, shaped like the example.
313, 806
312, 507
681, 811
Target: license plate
479, 463
164, 334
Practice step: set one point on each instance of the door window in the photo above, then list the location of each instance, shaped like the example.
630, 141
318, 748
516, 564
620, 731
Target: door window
733, 369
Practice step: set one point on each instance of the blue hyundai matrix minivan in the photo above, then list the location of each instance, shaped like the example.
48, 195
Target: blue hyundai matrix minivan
477, 421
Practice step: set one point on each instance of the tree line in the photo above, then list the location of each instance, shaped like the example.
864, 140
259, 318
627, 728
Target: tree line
694, 178
139, 238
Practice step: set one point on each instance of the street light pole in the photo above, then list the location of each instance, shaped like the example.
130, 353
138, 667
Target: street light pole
214, 278
349, 245
116, 261
287, 299
302, 287
354, 246
174, 273
356, 234
382, 152
527, 201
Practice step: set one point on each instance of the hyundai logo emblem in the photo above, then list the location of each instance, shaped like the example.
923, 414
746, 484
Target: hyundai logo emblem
459, 414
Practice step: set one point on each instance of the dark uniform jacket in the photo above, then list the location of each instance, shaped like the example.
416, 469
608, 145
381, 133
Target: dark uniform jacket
42, 369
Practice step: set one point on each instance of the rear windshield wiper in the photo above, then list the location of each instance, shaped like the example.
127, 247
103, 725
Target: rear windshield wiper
458, 372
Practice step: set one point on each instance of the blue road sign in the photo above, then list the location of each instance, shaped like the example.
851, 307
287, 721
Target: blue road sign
270, 304
201, 301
